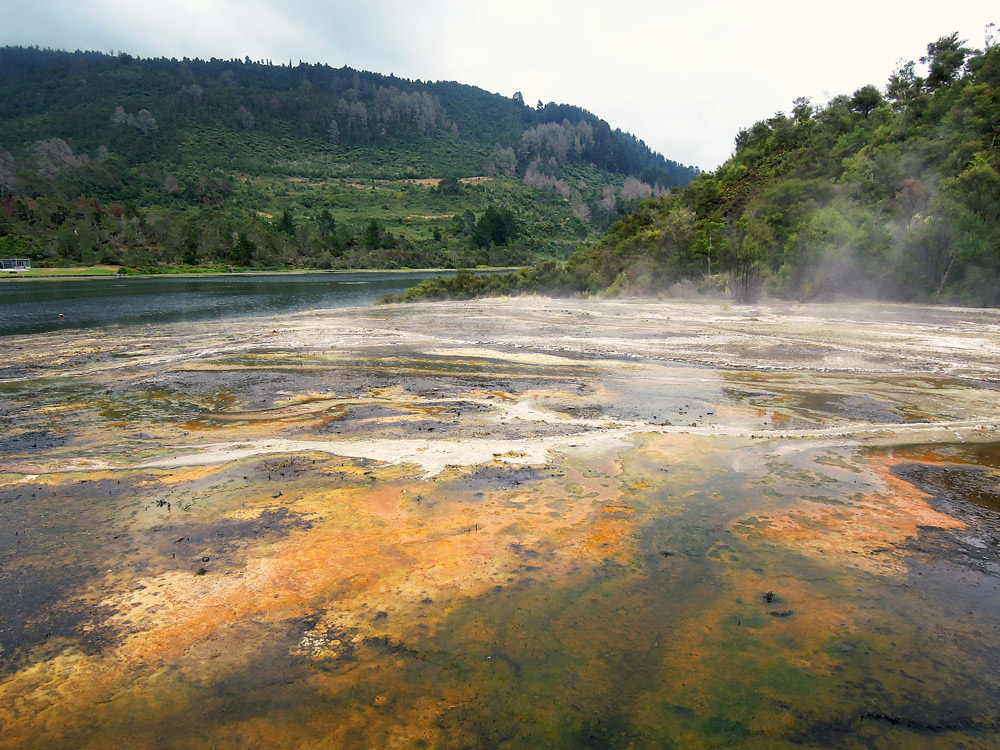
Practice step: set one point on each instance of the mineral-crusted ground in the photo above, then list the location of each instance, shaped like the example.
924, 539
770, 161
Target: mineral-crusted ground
513, 523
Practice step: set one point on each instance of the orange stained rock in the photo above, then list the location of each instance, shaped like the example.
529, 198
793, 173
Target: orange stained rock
184, 475
863, 529
367, 549
611, 538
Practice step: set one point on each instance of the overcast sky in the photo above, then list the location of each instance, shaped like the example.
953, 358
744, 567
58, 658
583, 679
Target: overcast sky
682, 76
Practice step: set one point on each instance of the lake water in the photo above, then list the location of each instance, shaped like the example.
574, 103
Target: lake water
34, 306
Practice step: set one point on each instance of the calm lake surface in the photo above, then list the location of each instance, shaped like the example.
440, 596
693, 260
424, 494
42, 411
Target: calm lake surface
34, 305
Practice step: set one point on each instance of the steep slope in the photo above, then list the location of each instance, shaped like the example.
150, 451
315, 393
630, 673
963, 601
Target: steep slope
116, 159
891, 193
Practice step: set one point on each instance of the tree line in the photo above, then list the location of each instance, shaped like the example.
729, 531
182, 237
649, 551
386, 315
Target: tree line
166, 140
86, 231
890, 192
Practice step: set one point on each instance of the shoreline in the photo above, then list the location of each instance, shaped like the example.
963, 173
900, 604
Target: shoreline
85, 274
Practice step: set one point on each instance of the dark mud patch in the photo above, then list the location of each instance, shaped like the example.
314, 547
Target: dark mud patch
54, 541
397, 421
578, 412
975, 550
964, 491
834, 733
28, 442
854, 407
225, 543
954, 487
505, 477
611, 730
59, 542
670, 402
954, 574
263, 388
367, 413
460, 408
14, 373
40, 614
986, 455
35, 608
256, 389
794, 352
818, 406
449, 426
225, 534
284, 467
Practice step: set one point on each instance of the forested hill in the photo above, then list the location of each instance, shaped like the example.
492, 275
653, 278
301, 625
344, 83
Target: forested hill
890, 192
113, 158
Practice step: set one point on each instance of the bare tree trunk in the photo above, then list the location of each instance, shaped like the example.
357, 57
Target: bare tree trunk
944, 278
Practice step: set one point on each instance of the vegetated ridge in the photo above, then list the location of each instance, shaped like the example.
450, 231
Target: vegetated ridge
890, 193
161, 163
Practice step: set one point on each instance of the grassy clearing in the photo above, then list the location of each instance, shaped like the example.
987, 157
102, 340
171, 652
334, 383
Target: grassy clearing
57, 272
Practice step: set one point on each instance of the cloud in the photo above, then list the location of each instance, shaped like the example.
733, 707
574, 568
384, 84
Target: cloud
682, 76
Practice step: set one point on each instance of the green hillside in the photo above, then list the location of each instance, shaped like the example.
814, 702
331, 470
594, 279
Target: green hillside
160, 163
890, 193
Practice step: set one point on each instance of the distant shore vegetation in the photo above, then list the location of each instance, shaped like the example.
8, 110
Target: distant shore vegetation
163, 163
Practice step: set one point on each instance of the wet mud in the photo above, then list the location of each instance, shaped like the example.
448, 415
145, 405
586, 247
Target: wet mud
515, 523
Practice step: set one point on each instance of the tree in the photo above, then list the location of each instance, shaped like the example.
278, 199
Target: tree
865, 100
910, 202
8, 168
245, 118
326, 222
53, 157
904, 85
243, 250
944, 60
802, 109
145, 123
748, 242
286, 223
635, 190
505, 160
930, 250
464, 223
495, 227
707, 244
371, 238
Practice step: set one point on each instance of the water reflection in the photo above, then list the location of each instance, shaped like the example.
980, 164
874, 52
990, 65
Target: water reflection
32, 306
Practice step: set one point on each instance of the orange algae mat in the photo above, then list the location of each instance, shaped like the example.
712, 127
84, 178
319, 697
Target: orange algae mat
514, 524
